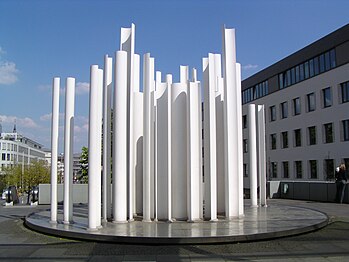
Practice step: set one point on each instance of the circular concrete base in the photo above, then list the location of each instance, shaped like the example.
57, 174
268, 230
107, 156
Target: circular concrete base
257, 224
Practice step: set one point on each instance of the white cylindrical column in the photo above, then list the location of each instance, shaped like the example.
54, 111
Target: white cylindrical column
252, 149
184, 74
54, 147
107, 91
147, 125
68, 150
120, 138
261, 156
94, 149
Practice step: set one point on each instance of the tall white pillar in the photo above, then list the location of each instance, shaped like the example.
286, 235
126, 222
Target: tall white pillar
54, 147
240, 141
107, 91
94, 148
120, 138
147, 126
68, 150
193, 151
252, 149
184, 74
261, 156
231, 117
210, 157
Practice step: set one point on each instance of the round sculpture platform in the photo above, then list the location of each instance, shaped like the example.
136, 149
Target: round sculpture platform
257, 224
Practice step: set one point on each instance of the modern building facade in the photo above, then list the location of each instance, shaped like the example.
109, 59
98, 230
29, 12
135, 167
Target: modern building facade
18, 149
306, 99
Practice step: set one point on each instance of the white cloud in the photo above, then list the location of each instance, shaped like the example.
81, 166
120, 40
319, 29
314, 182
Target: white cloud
82, 88
25, 122
47, 117
8, 73
2, 51
249, 67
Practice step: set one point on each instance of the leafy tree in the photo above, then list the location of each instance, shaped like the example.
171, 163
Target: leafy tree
84, 164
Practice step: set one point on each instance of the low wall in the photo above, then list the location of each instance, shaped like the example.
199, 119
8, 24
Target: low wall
305, 190
80, 193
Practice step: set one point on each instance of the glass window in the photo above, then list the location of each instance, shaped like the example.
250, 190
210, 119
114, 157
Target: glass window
327, 97
281, 81
285, 169
298, 169
293, 76
322, 63
288, 79
306, 70
328, 136
245, 146
272, 113
274, 169
345, 124
4, 146
329, 168
345, 92
284, 110
333, 58
3, 156
284, 139
296, 106
327, 61
313, 169
266, 88
312, 135
297, 74
297, 138
244, 121
311, 68
311, 102
301, 72
316, 65
273, 141
245, 170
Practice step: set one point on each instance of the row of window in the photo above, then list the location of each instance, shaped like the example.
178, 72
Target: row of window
298, 169
8, 146
326, 101
317, 65
255, 92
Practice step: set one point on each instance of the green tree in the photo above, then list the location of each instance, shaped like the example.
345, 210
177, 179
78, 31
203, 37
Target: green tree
84, 164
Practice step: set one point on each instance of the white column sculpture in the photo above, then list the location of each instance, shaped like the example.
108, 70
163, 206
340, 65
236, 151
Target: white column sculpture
68, 150
240, 141
54, 147
193, 150
252, 149
107, 92
120, 138
94, 148
147, 126
261, 156
231, 118
210, 162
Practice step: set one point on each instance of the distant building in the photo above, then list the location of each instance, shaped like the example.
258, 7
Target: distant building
306, 98
18, 149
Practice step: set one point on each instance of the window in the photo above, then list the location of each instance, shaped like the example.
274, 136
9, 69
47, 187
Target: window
327, 97
296, 106
244, 121
274, 169
8, 157
284, 139
311, 102
313, 169
273, 141
285, 169
306, 70
297, 138
345, 92
328, 133
272, 113
311, 68
3, 156
312, 135
284, 111
245, 170
322, 63
316, 65
298, 169
245, 146
333, 58
329, 169
345, 126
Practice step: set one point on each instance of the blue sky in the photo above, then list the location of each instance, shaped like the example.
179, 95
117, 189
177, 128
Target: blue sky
43, 39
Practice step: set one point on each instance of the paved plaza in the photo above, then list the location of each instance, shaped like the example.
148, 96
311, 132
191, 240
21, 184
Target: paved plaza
331, 243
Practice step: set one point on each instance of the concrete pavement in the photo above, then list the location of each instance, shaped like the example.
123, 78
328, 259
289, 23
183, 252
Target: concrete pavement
17, 243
